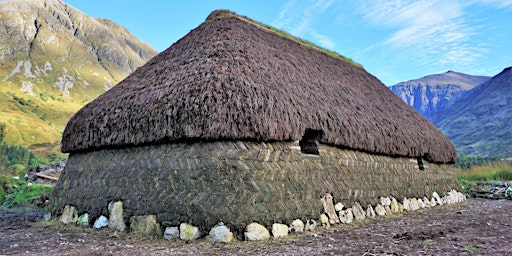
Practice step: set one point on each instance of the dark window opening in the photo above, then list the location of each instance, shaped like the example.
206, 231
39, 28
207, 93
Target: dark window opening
309, 142
420, 164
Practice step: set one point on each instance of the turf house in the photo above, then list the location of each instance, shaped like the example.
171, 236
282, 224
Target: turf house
237, 122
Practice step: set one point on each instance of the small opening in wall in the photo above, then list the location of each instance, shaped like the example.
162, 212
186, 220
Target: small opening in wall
420, 164
309, 142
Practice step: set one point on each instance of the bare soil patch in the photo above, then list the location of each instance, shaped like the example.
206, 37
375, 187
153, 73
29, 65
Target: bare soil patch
478, 226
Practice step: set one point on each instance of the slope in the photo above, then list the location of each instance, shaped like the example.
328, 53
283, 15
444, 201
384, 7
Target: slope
54, 60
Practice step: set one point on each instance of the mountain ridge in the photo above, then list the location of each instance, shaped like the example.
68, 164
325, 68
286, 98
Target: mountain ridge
55, 59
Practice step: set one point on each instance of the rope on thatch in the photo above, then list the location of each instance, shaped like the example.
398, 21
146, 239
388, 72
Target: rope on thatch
229, 79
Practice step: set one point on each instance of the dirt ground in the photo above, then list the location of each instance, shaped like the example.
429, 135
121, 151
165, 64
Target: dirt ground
476, 227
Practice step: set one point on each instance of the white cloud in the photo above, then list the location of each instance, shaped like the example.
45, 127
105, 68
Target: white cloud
299, 18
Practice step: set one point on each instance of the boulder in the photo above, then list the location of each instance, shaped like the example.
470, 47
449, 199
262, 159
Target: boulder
221, 234
69, 215
414, 204
279, 230
171, 233
189, 232
385, 201
255, 231
115, 219
146, 225
436, 196
101, 222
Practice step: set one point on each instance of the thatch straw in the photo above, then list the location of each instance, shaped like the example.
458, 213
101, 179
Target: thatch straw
231, 79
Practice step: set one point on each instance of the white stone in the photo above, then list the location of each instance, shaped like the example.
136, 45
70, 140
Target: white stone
437, 198
297, 226
101, 222
324, 220
279, 230
146, 225
385, 201
407, 204
358, 212
414, 204
310, 225
426, 201
189, 232
379, 209
346, 216
462, 197
338, 207
255, 231
329, 208
69, 215
433, 202
420, 203
370, 213
116, 216
394, 205
221, 234
171, 233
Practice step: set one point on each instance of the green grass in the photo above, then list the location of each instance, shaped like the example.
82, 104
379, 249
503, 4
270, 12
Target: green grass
16, 193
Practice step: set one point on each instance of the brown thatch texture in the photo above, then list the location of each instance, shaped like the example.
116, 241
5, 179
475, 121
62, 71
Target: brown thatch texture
231, 79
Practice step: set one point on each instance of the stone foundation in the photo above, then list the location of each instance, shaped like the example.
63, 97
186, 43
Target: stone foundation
237, 182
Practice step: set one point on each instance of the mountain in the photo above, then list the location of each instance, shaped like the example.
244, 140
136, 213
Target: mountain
53, 60
429, 94
480, 121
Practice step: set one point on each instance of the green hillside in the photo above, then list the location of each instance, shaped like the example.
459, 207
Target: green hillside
54, 60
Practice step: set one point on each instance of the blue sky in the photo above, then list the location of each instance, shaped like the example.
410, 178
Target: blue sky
395, 40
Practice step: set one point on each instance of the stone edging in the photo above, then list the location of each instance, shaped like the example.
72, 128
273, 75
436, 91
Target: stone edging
333, 214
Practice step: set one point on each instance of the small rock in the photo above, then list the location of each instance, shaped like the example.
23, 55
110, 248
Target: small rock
370, 212
297, 226
420, 203
385, 201
358, 212
426, 201
407, 204
329, 208
388, 210
346, 216
221, 234
101, 222
189, 232
116, 220
171, 233
324, 220
83, 220
256, 231
437, 198
279, 230
47, 216
414, 204
379, 209
69, 215
146, 225
310, 225
433, 202
338, 207
394, 205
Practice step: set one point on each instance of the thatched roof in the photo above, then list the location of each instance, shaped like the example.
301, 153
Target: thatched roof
233, 79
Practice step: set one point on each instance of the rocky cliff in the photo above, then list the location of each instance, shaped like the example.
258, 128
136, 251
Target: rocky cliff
55, 59
429, 94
